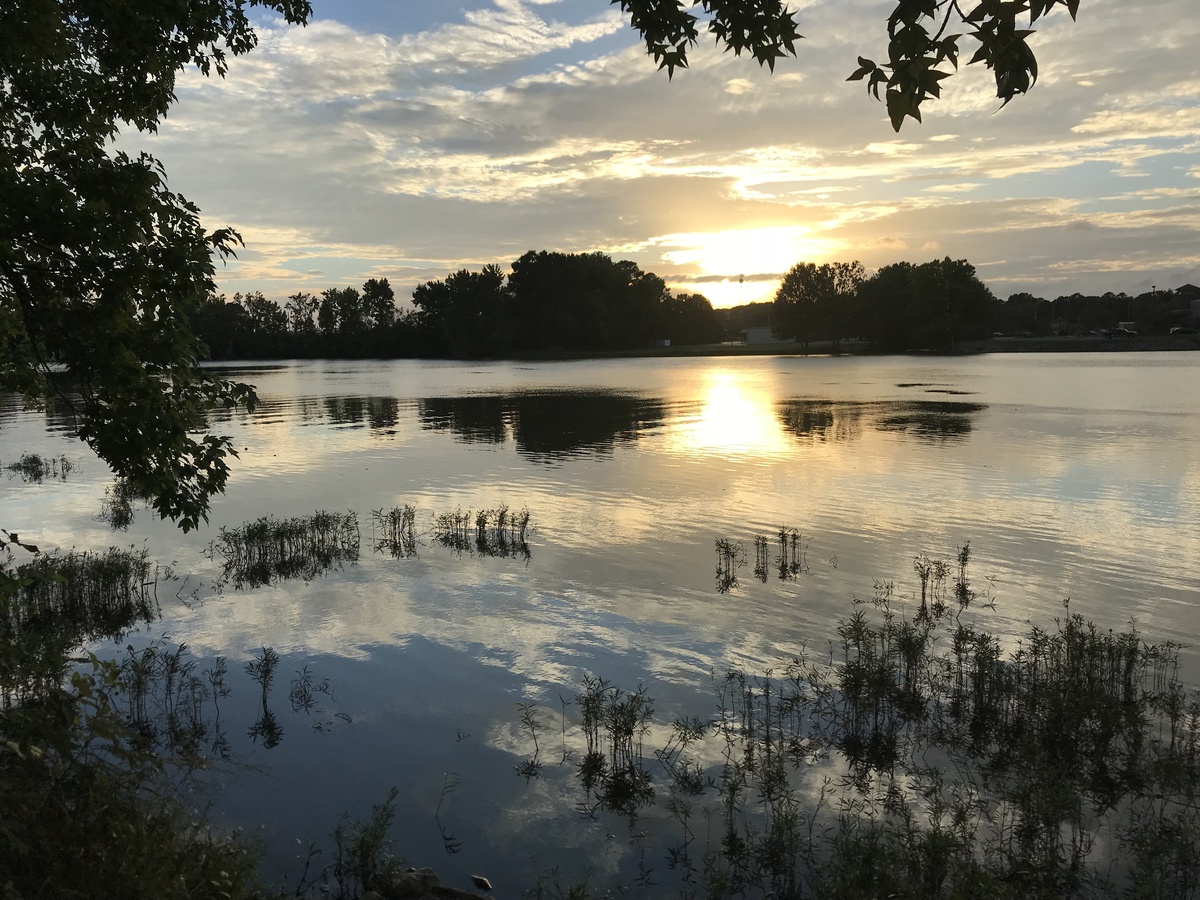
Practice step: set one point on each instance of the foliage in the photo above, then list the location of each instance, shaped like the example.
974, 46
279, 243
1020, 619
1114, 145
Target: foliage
101, 266
812, 298
268, 550
919, 759
921, 53
86, 807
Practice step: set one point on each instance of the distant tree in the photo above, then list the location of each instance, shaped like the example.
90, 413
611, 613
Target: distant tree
266, 318
1019, 313
379, 303
582, 301
301, 312
886, 302
926, 307
224, 328
923, 48
816, 301
689, 319
838, 307
464, 314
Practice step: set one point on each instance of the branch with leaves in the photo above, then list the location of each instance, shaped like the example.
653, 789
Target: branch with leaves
923, 50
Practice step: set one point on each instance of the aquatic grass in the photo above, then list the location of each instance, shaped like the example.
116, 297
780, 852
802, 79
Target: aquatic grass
793, 550
56, 601
944, 764
262, 670
730, 558
612, 770
269, 550
498, 532
762, 555
34, 468
394, 531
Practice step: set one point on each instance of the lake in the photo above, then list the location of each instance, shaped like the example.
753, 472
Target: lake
1073, 477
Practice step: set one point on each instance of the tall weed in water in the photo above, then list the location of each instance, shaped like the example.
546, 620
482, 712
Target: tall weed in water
926, 757
268, 550
394, 531
730, 558
85, 809
55, 602
488, 532
34, 468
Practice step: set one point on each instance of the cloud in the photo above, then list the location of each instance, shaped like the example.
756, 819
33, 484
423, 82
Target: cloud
527, 125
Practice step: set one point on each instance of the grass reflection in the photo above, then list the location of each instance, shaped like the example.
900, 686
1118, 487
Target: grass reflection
917, 760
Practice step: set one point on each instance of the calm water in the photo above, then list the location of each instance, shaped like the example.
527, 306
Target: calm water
1071, 476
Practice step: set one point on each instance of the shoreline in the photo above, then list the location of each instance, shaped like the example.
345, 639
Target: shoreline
1015, 344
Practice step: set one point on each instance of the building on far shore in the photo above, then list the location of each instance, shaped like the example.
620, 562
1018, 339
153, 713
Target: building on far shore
1191, 293
761, 334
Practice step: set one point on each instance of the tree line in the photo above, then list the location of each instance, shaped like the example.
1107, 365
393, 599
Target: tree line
901, 307
553, 302
550, 302
934, 305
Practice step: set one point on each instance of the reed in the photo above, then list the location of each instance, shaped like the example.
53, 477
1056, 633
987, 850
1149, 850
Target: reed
1068, 766
762, 557
498, 532
269, 550
793, 553
34, 469
55, 602
730, 558
394, 531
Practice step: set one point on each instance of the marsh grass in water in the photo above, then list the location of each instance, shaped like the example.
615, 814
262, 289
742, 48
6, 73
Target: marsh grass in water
921, 758
498, 532
55, 602
730, 558
34, 469
268, 550
793, 553
85, 808
613, 769
394, 531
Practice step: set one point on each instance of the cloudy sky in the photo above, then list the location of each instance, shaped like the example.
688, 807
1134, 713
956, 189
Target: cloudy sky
410, 138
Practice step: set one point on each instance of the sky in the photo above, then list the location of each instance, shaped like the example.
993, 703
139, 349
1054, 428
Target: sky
407, 139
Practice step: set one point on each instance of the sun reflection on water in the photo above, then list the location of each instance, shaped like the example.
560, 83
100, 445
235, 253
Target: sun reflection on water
733, 418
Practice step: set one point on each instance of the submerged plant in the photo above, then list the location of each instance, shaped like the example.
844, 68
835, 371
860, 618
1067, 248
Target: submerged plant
268, 550
730, 558
394, 531
1068, 766
262, 670
34, 469
761, 558
792, 559
55, 602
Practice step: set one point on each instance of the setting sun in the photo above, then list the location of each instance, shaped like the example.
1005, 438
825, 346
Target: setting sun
743, 265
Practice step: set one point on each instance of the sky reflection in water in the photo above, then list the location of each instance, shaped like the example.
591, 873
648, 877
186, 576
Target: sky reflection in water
1070, 476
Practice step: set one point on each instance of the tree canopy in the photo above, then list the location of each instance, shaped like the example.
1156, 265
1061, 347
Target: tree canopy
922, 51
102, 267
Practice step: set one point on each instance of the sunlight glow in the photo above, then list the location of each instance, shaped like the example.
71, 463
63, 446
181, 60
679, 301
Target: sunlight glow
734, 253
733, 420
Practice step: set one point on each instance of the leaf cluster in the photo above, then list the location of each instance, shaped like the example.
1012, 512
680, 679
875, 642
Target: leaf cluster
765, 28
102, 267
920, 50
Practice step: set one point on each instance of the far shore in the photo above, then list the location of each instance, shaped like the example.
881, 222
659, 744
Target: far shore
1014, 344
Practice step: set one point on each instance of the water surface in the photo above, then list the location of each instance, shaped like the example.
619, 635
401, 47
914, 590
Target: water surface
1073, 477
